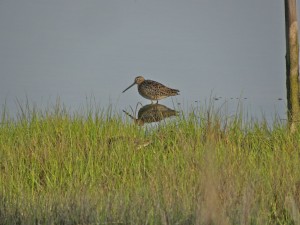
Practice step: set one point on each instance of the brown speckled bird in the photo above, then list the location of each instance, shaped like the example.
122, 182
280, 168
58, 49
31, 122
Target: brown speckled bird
152, 90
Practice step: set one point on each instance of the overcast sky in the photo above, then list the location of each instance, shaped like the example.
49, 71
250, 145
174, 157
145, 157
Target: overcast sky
74, 49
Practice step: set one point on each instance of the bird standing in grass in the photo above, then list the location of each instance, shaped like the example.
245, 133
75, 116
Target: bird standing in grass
152, 90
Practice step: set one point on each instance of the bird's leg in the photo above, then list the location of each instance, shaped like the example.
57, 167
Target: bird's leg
156, 101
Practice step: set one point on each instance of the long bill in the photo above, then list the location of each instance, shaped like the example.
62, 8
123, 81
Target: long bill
128, 87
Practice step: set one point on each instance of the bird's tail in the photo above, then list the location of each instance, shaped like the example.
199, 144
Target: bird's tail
175, 92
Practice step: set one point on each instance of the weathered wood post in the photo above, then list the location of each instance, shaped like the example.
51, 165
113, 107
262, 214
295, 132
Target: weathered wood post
292, 62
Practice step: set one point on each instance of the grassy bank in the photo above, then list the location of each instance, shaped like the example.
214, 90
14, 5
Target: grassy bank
94, 168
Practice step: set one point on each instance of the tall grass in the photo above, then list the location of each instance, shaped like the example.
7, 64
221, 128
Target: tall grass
58, 167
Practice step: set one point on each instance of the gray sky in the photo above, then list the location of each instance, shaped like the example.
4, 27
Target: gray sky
75, 49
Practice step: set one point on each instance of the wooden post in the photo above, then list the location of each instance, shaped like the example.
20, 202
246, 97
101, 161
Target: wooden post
292, 62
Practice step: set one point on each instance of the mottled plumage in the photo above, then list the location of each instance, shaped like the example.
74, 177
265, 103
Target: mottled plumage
152, 90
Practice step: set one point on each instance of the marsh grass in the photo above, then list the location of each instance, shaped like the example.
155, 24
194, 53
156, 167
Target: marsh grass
94, 167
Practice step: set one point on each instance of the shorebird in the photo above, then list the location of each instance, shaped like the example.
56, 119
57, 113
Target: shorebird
152, 90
